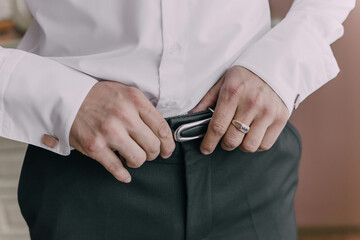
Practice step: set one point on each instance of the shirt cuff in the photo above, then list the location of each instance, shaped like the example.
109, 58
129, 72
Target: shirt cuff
40, 96
292, 59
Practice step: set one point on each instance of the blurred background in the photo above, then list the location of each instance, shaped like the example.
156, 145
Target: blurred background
328, 196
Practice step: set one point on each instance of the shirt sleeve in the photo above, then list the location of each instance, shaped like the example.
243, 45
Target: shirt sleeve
39, 96
294, 58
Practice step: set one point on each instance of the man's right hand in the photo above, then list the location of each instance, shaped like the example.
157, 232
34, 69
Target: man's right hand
116, 117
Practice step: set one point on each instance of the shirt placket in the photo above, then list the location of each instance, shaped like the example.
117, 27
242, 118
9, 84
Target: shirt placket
172, 85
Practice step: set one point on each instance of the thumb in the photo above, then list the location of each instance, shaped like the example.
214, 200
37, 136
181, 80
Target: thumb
210, 98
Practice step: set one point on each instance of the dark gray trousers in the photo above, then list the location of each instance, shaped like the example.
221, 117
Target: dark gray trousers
223, 196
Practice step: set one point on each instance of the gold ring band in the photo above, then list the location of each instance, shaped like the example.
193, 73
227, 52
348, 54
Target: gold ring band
242, 127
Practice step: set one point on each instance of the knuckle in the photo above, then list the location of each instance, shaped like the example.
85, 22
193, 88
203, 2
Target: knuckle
267, 111
93, 146
135, 96
232, 90
218, 128
253, 102
249, 146
266, 146
281, 118
136, 161
166, 153
108, 128
231, 143
171, 147
116, 111
132, 91
136, 164
168, 148
146, 109
257, 101
235, 71
151, 157
125, 118
153, 150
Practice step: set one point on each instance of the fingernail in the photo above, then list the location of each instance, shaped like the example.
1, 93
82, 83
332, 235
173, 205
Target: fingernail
205, 152
127, 180
166, 157
227, 145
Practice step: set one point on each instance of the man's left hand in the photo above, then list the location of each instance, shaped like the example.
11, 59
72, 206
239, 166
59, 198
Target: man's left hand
241, 95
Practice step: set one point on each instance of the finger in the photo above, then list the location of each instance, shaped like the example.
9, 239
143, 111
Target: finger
49, 141
270, 137
158, 125
112, 164
223, 114
210, 98
146, 139
254, 137
129, 150
234, 137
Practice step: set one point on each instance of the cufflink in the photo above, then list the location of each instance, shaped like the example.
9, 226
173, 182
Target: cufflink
297, 101
49, 141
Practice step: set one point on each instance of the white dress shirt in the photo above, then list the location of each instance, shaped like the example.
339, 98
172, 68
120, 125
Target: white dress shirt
174, 51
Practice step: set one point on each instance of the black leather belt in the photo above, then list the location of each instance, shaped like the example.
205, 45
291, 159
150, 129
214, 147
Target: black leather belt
190, 126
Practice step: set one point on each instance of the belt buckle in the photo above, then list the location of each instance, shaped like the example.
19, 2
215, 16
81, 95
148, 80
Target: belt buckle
177, 133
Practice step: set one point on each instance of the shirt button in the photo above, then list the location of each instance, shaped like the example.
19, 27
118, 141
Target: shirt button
175, 48
297, 101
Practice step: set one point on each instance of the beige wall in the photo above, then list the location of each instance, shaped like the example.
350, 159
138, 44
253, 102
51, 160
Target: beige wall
329, 122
